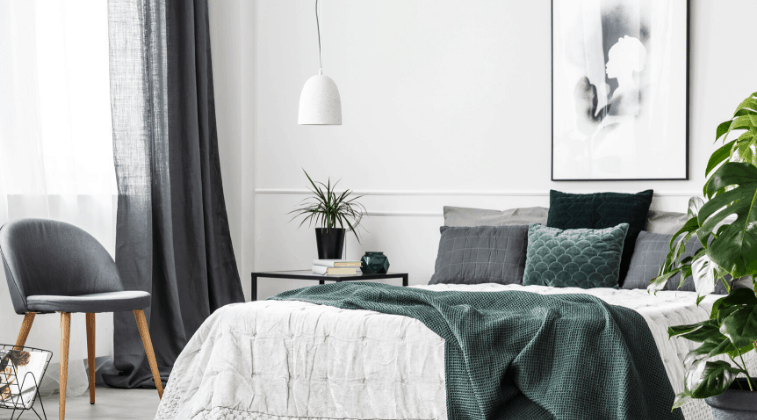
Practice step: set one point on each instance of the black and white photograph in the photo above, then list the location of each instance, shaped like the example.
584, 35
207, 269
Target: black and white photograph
619, 89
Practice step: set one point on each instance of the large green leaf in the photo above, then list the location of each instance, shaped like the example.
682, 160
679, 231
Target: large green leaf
740, 326
743, 119
703, 272
695, 204
744, 150
715, 347
735, 250
747, 143
737, 315
705, 379
678, 243
712, 215
749, 103
744, 122
720, 155
658, 283
672, 266
723, 129
699, 332
738, 297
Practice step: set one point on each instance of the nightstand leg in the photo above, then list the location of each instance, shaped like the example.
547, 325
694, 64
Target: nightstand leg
404, 281
254, 288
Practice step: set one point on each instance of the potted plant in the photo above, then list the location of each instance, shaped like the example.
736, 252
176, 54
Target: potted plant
726, 226
334, 212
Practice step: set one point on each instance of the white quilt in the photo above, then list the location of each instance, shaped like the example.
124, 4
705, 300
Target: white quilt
293, 360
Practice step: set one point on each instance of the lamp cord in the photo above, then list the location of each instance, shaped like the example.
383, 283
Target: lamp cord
318, 25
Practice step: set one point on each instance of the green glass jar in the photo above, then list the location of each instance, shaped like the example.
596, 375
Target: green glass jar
374, 263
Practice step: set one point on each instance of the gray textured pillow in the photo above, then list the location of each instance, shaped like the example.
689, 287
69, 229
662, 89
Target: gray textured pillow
463, 216
649, 255
483, 254
665, 221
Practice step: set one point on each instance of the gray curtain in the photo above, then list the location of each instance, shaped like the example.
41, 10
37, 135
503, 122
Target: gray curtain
172, 234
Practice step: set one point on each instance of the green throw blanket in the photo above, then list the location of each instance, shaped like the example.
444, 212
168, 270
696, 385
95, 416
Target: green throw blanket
520, 355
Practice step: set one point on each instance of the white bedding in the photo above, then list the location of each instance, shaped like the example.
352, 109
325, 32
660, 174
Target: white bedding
293, 360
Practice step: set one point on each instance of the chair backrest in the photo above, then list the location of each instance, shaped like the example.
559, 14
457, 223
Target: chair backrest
47, 257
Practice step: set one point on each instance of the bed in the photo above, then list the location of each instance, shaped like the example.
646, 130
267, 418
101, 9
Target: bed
292, 360
296, 360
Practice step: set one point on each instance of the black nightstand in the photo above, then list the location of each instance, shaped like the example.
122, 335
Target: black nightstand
322, 278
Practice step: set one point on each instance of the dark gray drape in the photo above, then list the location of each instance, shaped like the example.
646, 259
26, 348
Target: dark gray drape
172, 236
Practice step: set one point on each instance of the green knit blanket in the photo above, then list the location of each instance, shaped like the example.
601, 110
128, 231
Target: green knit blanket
520, 355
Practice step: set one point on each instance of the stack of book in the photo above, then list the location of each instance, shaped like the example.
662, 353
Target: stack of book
336, 267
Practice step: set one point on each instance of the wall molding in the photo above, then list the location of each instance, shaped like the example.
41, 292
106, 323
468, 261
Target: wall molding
481, 193
443, 193
406, 213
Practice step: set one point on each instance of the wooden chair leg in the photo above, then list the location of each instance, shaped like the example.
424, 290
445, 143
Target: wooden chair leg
91, 355
65, 335
26, 326
144, 332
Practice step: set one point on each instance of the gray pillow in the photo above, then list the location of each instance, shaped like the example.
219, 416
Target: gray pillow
665, 221
649, 255
463, 216
657, 221
483, 254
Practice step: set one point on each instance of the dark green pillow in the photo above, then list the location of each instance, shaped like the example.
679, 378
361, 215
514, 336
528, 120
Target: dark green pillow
583, 258
600, 211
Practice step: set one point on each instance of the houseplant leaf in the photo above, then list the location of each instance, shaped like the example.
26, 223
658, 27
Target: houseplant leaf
699, 332
720, 155
658, 283
749, 103
724, 306
329, 209
707, 378
735, 249
672, 266
703, 271
740, 326
723, 129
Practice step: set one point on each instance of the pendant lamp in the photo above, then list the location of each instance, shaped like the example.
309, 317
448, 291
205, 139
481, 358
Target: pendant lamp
320, 103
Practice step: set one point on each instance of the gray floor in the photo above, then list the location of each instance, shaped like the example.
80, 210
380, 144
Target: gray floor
111, 403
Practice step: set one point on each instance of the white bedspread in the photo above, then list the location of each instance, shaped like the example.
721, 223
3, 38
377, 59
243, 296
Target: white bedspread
293, 360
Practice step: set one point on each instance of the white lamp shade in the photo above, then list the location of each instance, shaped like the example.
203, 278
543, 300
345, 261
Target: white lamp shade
320, 103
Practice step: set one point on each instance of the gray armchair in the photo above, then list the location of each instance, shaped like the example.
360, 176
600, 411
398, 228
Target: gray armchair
53, 266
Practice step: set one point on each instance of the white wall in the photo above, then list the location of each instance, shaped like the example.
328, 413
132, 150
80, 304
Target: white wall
444, 103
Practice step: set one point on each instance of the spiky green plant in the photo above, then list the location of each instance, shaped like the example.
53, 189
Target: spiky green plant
329, 208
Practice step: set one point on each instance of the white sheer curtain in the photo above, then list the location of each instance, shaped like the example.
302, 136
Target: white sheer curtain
56, 153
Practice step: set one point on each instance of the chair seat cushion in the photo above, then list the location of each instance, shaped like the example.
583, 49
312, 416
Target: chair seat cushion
96, 302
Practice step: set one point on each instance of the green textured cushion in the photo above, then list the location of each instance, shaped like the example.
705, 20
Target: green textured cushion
600, 211
583, 258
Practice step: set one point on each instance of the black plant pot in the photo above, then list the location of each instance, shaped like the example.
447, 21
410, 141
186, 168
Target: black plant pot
735, 403
330, 243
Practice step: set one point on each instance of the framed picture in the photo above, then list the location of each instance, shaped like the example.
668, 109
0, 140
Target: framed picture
619, 90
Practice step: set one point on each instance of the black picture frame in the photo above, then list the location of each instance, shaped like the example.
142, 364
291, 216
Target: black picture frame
687, 103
